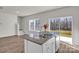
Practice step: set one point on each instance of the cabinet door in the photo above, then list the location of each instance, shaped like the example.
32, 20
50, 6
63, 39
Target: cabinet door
49, 46
57, 43
45, 48
25, 45
34, 48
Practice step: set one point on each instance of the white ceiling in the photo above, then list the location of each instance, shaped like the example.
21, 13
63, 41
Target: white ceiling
26, 10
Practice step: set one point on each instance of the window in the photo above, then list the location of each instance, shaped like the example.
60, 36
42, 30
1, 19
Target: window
62, 25
66, 26
54, 24
37, 25
34, 25
34, 28
31, 25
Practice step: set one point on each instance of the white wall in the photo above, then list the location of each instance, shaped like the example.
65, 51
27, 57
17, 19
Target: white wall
7, 24
62, 12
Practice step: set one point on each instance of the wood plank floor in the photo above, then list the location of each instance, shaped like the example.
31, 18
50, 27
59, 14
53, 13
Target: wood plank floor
13, 44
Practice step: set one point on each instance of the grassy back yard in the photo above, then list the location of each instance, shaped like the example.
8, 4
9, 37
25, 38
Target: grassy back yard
65, 33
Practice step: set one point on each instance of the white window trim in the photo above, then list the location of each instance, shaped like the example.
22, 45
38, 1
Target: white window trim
33, 20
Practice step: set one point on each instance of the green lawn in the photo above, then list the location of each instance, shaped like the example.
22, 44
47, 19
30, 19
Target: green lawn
65, 33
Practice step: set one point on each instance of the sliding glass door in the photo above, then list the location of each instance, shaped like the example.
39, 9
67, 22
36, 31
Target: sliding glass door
62, 27
66, 26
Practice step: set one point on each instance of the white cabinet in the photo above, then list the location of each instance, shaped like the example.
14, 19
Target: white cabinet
49, 46
32, 47
25, 46
57, 43
45, 50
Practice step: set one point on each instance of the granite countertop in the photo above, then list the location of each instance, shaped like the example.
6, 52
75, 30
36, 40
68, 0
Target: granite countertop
39, 41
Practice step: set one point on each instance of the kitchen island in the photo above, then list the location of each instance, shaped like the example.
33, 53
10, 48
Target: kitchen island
41, 45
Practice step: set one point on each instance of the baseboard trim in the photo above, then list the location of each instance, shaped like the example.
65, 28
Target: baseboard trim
8, 36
